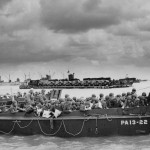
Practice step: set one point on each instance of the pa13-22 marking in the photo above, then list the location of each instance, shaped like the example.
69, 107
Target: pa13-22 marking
134, 122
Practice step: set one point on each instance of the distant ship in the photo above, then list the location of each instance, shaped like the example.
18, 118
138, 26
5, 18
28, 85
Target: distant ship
133, 80
10, 83
71, 82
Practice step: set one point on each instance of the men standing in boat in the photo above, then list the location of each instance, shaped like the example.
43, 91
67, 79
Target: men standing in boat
29, 98
14, 105
42, 97
133, 91
103, 101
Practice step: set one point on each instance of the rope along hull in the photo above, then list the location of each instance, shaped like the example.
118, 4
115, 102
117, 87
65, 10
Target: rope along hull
88, 126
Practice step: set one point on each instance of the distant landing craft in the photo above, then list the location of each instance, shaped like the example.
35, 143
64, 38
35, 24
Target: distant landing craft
72, 83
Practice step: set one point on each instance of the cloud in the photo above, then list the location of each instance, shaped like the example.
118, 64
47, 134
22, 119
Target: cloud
141, 61
92, 34
16, 56
144, 24
70, 16
32, 45
3, 3
19, 15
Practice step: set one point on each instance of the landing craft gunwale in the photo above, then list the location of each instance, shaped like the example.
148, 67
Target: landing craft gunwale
75, 117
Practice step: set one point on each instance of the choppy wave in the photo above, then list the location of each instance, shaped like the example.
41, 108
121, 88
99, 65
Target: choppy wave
48, 143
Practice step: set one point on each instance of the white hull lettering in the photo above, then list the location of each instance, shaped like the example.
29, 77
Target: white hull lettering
134, 122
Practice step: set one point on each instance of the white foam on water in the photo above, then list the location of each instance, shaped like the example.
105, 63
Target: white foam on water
140, 87
100, 143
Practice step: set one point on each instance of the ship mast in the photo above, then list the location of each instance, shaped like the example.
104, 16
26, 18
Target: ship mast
9, 78
25, 76
29, 75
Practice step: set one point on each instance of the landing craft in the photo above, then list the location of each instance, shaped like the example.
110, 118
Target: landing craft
71, 83
89, 123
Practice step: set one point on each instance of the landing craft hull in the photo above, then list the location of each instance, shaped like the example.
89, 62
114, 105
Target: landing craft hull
75, 87
93, 123
76, 127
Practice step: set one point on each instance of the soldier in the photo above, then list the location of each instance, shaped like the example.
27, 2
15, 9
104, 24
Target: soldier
107, 101
128, 93
93, 97
74, 98
67, 107
14, 105
66, 96
74, 107
129, 102
112, 100
42, 97
148, 99
136, 102
145, 98
118, 101
133, 91
101, 96
142, 100
87, 105
39, 109
123, 100
103, 101
29, 98
96, 103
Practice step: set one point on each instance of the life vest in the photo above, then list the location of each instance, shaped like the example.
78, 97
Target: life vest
46, 114
88, 106
38, 111
57, 113
91, 104
99, 104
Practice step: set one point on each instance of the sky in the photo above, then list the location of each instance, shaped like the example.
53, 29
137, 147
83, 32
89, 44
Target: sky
91, 38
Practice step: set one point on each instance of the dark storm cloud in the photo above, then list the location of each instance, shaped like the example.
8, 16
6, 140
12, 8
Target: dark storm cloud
71, 16
90, 31
17, 57
4, 2
20, 52
144, 24
19, 15
86, 50
138, 61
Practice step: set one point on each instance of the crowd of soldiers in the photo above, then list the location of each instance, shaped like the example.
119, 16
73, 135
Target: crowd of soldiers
42, 106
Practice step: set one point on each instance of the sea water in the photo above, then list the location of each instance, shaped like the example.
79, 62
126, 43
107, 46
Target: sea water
53, 143
37, 142
140, 87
